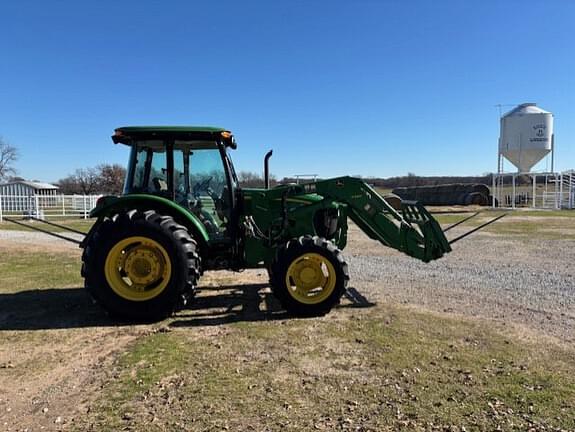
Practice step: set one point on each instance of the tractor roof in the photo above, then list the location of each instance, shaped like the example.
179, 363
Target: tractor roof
129, 134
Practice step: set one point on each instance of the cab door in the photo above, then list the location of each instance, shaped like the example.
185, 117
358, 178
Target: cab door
201, 185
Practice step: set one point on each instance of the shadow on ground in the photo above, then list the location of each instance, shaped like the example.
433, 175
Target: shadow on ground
242, 303
43, 309
62, 308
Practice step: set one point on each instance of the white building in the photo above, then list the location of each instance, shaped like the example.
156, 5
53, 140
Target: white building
22, 195
27, 188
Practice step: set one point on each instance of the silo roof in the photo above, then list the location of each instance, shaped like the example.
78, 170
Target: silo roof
526, 108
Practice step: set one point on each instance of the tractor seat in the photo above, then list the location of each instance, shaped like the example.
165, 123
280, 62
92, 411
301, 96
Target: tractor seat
159, 184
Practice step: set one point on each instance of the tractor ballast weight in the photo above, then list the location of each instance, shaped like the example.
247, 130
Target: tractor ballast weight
183, 212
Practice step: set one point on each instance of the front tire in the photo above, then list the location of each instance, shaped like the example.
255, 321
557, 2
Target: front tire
139, 266
309, 276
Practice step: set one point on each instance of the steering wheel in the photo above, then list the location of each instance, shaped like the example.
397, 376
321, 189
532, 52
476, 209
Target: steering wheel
203, 185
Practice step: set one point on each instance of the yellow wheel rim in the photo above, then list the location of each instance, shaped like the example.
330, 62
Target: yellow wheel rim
138, 268
310, 278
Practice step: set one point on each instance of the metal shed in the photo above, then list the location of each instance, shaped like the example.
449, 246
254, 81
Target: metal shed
27, 188
22, 195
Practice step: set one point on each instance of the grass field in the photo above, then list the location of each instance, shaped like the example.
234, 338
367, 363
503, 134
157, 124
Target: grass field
26, 269
543, 224
386, 369
231, 365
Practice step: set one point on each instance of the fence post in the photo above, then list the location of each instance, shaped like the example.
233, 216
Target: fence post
1, 208
556, 193
85, 209
571, 191
561, 191
513, 198
36, 207
63, 205
493, 191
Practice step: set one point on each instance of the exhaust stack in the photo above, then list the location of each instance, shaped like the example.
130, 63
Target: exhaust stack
267, 169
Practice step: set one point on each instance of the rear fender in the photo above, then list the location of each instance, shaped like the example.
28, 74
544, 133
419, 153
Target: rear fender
111, 205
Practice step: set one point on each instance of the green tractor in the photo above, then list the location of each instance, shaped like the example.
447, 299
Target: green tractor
183, 212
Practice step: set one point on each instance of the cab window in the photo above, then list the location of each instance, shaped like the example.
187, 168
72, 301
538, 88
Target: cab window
201, 186
150, 170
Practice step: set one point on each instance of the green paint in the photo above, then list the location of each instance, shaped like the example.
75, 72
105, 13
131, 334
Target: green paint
265, 219
111, 205
166, 129
412, 231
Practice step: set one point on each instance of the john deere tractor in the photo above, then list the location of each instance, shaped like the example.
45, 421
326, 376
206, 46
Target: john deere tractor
183, 212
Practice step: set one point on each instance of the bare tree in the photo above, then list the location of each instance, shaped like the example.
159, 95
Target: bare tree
111, 178
83, 181
105, 178
88, 179
251, 179
69, 186
8, 155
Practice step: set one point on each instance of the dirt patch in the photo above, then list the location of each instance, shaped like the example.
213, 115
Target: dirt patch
56, 346
48, 381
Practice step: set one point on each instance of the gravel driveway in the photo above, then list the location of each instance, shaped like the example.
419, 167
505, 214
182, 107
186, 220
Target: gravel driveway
513, 280
38, 238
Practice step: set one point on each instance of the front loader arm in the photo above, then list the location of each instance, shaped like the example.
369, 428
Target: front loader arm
412, 231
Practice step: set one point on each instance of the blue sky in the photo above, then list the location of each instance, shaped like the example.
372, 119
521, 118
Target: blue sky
377, 88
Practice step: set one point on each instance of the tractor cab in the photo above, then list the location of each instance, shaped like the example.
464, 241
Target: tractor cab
187, 165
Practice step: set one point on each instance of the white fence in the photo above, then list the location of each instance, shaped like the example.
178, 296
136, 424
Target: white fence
51, 206
555, 200
550, 190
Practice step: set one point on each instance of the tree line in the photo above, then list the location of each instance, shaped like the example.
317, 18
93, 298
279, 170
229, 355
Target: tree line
106, 179
109, 178
102, 179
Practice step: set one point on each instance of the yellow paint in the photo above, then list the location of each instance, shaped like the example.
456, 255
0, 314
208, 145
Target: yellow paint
138, 268
310, 278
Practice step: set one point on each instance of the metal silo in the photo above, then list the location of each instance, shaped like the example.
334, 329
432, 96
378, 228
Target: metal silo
526, 136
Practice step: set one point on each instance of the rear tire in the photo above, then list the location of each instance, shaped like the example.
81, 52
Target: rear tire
140, 266
309, 276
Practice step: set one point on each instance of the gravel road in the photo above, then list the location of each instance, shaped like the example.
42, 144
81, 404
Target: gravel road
38, 238
512, 280
509, 279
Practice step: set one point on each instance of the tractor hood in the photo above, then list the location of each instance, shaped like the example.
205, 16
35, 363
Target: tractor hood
277, 194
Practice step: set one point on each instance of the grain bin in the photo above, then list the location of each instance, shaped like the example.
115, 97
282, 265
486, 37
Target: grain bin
526, 136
